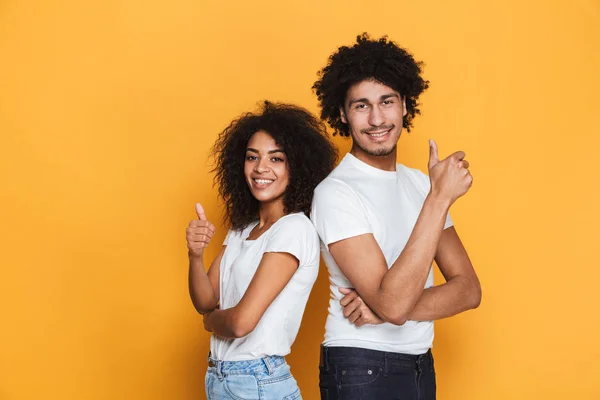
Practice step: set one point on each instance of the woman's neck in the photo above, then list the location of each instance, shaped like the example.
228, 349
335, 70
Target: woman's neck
270, 212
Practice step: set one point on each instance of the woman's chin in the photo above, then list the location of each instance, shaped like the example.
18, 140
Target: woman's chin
266, 197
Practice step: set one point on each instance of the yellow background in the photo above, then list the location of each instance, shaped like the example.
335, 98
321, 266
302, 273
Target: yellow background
107, 112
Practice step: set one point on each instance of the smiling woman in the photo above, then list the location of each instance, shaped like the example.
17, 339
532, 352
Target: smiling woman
254, 294
308, 153
266, 168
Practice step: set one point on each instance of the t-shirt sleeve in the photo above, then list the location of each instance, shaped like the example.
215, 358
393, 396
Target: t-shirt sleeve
338, 213
424, 185
295, 235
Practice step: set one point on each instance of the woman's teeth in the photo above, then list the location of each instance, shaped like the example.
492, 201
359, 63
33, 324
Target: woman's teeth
263, 181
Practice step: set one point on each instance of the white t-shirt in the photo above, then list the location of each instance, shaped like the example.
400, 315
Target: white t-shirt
357, 199
277, 329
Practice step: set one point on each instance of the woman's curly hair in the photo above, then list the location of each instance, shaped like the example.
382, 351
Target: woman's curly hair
381, 60
310, 158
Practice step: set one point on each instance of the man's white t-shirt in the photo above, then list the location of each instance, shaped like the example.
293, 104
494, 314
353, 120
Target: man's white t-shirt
277, 329
357, 199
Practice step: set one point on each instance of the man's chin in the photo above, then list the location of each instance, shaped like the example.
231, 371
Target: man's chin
381, 151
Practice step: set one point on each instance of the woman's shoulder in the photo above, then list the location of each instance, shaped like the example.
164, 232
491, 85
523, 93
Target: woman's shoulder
296, 221
295, 234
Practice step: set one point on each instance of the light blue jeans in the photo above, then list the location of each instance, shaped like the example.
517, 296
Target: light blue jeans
266, 378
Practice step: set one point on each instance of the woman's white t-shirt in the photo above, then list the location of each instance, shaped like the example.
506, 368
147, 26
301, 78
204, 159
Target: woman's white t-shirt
277, 329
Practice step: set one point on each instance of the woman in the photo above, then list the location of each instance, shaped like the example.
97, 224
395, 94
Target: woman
255, 292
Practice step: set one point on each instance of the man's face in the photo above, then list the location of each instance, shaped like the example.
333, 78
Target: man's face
374, 114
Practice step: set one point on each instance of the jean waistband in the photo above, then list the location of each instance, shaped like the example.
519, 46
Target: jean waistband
259, 365
381, 358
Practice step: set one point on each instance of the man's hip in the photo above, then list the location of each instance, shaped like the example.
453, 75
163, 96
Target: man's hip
352, 373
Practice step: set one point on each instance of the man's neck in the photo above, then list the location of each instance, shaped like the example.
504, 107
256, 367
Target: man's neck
385, 163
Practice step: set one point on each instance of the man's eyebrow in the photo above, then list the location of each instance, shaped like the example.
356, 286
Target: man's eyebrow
365, 100
388, 96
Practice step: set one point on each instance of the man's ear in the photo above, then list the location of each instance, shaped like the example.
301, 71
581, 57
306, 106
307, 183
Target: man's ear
404, 110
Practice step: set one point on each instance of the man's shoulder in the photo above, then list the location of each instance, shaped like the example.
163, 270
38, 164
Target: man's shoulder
328, 192
341, 176
333, 183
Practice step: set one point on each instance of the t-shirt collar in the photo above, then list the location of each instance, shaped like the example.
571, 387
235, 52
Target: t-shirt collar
363, 166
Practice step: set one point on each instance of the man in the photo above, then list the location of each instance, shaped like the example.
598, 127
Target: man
382, 225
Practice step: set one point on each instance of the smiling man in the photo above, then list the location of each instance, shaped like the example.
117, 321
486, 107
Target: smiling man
382, 225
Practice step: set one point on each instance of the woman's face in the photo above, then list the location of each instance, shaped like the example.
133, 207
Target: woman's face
266, 168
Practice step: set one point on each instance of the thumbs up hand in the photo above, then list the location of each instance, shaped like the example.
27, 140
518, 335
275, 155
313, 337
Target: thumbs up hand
199, 232
450, 178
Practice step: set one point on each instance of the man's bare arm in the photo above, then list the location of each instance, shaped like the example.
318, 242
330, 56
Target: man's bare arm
392, 293
461, 291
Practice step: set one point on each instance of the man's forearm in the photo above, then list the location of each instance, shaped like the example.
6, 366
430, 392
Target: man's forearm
442, 301
403, 283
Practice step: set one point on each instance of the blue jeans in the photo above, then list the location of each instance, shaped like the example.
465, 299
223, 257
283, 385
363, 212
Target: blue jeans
350, 373
267, 378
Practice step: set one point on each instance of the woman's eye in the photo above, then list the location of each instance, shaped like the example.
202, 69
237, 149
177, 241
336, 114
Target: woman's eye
250, 158
277, 159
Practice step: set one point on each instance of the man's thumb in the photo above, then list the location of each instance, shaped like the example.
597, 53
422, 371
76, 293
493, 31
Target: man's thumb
433, 154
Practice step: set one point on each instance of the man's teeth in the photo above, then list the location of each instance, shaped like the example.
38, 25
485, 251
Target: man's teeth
263, 181
378, 134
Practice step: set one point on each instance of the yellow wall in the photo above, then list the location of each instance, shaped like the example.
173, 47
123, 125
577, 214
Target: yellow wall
107, 111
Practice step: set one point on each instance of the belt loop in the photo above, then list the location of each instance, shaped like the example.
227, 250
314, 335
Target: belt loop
218, 364
324, 359
219, 368
268, 365
385, 364
419, 360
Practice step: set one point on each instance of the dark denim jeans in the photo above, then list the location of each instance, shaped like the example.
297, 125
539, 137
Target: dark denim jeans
350, 373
